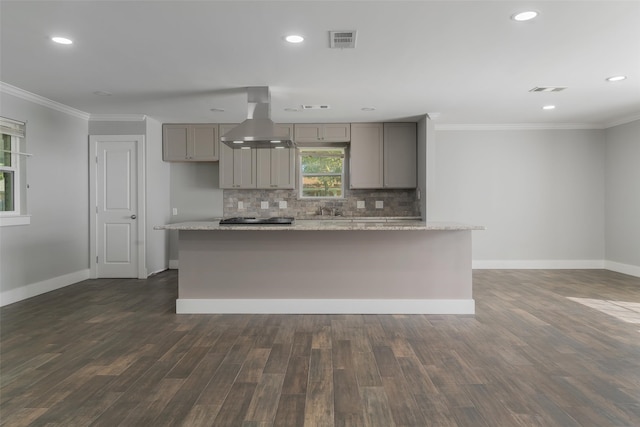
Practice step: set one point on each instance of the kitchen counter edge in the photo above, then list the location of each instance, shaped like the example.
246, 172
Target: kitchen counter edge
324, 225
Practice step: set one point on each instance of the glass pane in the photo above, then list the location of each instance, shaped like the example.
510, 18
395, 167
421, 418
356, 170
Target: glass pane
312, 164
6, 191
5, 158
322, 186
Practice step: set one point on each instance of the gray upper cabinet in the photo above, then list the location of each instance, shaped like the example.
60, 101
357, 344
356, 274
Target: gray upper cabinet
190, 142
268, 168
276, 168
324, 132
366, 156
237, 166
383, 155
400, 155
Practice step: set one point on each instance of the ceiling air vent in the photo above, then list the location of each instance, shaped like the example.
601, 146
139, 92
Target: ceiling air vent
316, 107
548, 89
342, 39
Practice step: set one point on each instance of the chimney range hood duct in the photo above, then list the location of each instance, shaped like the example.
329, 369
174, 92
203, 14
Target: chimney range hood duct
258, 131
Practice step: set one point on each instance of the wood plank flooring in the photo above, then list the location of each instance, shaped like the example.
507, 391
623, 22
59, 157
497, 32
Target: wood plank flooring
114, 353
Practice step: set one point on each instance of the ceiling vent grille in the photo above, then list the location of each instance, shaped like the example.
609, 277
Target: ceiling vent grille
342, 39
548, 89
316, 107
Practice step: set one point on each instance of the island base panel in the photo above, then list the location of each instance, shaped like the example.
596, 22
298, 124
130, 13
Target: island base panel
325, 272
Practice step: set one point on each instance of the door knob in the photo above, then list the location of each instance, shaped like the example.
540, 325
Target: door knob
134, 216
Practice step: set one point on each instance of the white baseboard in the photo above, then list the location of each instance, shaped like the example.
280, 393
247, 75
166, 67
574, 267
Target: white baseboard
34, 289
324, 306
173, 264
631, 270
551, 264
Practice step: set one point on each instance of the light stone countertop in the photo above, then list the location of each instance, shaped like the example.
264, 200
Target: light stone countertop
342, 224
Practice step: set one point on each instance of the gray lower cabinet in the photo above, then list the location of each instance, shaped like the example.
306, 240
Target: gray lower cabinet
237, 166
383, 155
190, 142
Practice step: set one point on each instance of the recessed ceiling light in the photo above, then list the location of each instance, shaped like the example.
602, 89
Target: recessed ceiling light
217, 110
61, 40
245, 148
549, 107
524, 16
238, 142
294, 38
616, 78
102, 93
280, 147
291, 109
275, 141
368, 108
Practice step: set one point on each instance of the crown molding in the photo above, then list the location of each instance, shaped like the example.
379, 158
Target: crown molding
41, 100
622, 121
118, 117
519, 126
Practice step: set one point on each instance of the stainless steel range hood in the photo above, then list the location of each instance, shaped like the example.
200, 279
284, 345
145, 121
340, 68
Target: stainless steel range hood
258, 131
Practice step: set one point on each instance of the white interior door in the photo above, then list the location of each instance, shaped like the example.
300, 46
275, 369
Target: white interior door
118, 227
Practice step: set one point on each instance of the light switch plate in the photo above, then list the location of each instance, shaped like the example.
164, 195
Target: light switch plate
240, 205
379, 204
360, 204
264, 205
282, 204
174, 211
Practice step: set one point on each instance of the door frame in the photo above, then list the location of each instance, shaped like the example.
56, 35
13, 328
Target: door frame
93, 200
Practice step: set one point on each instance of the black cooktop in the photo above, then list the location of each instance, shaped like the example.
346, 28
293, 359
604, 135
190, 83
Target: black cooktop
244, 220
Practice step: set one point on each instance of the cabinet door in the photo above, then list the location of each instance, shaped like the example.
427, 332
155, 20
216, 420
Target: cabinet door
366, 156
307, 133
327, 132
338, 132
175, 141
400, 155
282, 163
244, 168
225, 167
205, 142
276, 168
263, 167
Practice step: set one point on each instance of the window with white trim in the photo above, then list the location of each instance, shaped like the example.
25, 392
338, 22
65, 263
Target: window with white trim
11, 163
321, 173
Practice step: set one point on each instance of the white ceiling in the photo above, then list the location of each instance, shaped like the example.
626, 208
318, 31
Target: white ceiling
466, 60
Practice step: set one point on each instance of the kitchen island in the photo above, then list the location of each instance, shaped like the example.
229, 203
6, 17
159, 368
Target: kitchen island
373, 266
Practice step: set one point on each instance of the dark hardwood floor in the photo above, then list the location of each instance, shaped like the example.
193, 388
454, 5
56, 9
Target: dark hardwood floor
113, 352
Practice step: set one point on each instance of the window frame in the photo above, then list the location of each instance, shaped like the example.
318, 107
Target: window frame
301, 175
15, 130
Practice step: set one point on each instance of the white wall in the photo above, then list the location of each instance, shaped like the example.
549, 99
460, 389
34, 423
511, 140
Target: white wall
195, 193
622, 197
158, 207
540, 193
53, 250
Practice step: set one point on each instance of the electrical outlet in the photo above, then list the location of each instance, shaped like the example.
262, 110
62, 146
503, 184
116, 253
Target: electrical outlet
240, 205
264, 205
360, 204
282, 204
379, 204
174, 211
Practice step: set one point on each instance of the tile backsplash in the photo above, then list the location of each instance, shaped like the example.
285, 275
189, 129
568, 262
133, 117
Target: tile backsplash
377, 203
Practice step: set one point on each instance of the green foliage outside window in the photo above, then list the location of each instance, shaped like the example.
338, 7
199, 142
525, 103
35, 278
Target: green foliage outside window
322, 173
